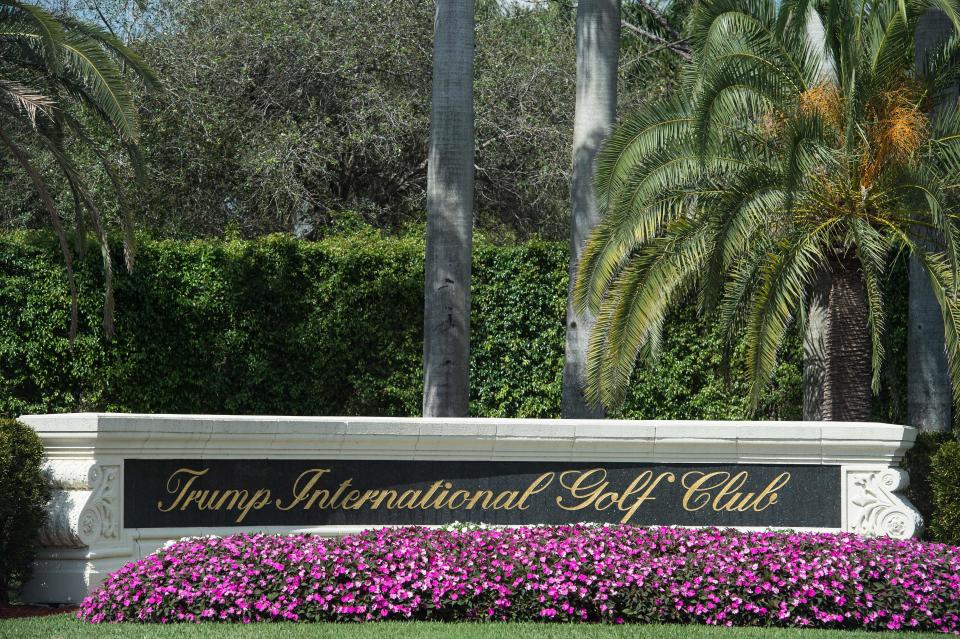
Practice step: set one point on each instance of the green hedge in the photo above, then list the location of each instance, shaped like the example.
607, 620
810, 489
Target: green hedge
934, 467
276, 325
945, 487
917, 463
22, 507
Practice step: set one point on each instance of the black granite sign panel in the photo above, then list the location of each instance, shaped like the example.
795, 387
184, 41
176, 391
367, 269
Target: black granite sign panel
274, 492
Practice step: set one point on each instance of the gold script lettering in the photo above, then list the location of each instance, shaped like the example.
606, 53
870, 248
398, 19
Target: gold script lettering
770, 492
699, 485
538, 485
641, 482
173, 486
260, 499
580, 487
721, 491
300, 493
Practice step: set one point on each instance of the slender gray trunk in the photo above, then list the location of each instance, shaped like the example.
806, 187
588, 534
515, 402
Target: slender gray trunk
815, 348
449, 242
928, 378
818, 313
598, 52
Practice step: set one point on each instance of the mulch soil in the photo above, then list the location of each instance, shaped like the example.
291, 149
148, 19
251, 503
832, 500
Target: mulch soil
19, 611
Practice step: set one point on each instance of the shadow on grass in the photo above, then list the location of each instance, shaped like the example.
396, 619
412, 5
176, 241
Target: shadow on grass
67, 627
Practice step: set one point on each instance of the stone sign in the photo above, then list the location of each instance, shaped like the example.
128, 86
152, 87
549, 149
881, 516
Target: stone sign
269, 492
127, 484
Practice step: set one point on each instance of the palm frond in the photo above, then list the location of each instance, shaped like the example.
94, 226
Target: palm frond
45, 26
944, 286
749, 203
78, 65
783, 282
871, 248
90, 64
922, 187
130, 57
28, 100
896, 45
636, 138
632, 315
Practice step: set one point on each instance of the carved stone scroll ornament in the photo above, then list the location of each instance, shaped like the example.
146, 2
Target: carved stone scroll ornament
100, 518
82, 512
63, 513
875, 507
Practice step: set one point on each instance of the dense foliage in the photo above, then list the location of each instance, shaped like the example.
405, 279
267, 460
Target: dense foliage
279, 114
945, 487
917, 464
23, 506
557, 573
281, 326
932, 464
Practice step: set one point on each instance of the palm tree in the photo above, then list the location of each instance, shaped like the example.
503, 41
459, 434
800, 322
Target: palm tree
765, 184
446, 307
62, 79
598, 49
928, 380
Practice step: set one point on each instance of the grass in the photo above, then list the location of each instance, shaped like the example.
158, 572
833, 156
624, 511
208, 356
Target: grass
66, 627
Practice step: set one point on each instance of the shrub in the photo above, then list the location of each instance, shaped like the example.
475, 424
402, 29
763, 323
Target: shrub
24, 493
554, 573
917, 464
332, 327
945, 486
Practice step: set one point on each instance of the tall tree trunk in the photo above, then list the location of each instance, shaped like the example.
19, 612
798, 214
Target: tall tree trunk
815, 348
815, 333
928, 378
838, 344
598, 52
446, 304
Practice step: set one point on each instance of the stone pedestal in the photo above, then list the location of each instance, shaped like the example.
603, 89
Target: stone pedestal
86, 537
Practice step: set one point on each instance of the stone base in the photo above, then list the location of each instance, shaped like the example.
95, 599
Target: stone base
66, 577
85, 539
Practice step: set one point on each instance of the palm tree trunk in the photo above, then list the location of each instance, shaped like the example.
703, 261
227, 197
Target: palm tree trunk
449, 242
842, 343
815, 348
928, 379
815, 333
598, 52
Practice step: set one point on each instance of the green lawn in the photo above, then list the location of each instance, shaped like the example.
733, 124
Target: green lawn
66, 627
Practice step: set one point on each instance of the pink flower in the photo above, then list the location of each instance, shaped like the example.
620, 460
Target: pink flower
612, 573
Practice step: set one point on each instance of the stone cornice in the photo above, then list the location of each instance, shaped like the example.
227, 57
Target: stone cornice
472, 438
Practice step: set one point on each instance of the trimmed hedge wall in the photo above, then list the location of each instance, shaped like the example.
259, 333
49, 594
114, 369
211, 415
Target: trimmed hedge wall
945, 487
280, 326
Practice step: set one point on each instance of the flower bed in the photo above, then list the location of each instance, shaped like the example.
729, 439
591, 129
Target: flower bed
558, 573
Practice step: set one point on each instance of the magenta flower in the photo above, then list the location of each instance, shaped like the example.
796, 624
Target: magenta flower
612, 574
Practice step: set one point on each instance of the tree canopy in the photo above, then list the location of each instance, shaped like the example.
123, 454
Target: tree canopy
291, 115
